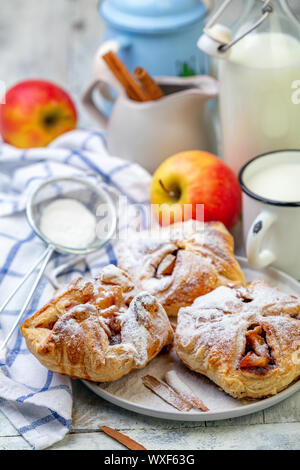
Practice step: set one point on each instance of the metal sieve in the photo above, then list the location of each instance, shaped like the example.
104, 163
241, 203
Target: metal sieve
80, 189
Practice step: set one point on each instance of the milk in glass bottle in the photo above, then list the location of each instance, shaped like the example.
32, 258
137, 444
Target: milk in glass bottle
259, 80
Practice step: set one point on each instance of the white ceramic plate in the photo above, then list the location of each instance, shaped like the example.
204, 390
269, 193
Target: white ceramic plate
130, 393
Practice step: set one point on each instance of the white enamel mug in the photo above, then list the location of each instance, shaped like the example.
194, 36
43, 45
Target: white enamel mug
271, 227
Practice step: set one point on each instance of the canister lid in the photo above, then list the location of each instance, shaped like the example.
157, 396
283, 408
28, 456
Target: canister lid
152, 16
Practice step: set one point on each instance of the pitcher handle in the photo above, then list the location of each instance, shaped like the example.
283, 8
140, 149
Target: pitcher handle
115, 45
90, 105
105, 80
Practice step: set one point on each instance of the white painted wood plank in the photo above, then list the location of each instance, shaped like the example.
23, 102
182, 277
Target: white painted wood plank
257, 437
50, 39
255, 418
36, 40
6, 428
286, 412
85, 35
14, 443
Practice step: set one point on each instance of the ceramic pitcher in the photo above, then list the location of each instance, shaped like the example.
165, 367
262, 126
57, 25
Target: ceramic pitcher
149, 132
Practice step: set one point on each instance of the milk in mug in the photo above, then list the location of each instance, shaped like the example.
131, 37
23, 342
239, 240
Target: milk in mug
279, 182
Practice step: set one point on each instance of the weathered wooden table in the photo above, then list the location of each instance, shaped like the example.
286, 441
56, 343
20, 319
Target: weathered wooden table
276, 428
56, 39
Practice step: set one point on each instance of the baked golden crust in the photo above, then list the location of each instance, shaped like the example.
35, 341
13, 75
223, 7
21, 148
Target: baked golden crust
179, 263
245, 339
98, 330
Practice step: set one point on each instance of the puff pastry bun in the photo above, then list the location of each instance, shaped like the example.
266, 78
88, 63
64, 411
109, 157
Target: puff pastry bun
245, 339
99, 329
179, 263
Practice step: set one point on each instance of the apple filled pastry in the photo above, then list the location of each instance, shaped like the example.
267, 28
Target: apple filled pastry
181, 262
245, 339
99, 329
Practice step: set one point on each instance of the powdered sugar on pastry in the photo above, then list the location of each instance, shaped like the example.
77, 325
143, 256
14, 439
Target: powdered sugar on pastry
135, 323
242, 338
179, 263
98, 329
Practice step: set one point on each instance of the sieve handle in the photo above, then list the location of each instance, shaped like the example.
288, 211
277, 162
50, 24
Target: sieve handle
27, 275
45, 258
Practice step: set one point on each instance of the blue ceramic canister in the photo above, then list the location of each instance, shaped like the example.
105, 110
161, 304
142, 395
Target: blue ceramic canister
160, 35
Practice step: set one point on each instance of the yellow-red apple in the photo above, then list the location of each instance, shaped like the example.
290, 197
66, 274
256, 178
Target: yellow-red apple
196, 177
35, 112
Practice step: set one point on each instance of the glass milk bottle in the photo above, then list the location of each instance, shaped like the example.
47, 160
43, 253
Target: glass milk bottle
259, 82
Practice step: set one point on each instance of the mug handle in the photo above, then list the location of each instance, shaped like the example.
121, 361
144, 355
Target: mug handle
260, 258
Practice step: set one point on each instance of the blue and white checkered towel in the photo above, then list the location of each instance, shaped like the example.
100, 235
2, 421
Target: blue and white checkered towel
39, 402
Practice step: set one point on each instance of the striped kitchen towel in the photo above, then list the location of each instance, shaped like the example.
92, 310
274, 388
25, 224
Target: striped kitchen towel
38, 402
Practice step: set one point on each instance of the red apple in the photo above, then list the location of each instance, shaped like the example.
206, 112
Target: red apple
196, 177
35, 113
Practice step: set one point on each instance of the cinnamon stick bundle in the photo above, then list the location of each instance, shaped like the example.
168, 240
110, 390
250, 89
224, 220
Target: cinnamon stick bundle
151, 88
134, 91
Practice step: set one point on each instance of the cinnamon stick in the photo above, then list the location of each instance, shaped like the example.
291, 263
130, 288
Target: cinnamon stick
120, 71
151, 88
119, 437
166, 393
184, 390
